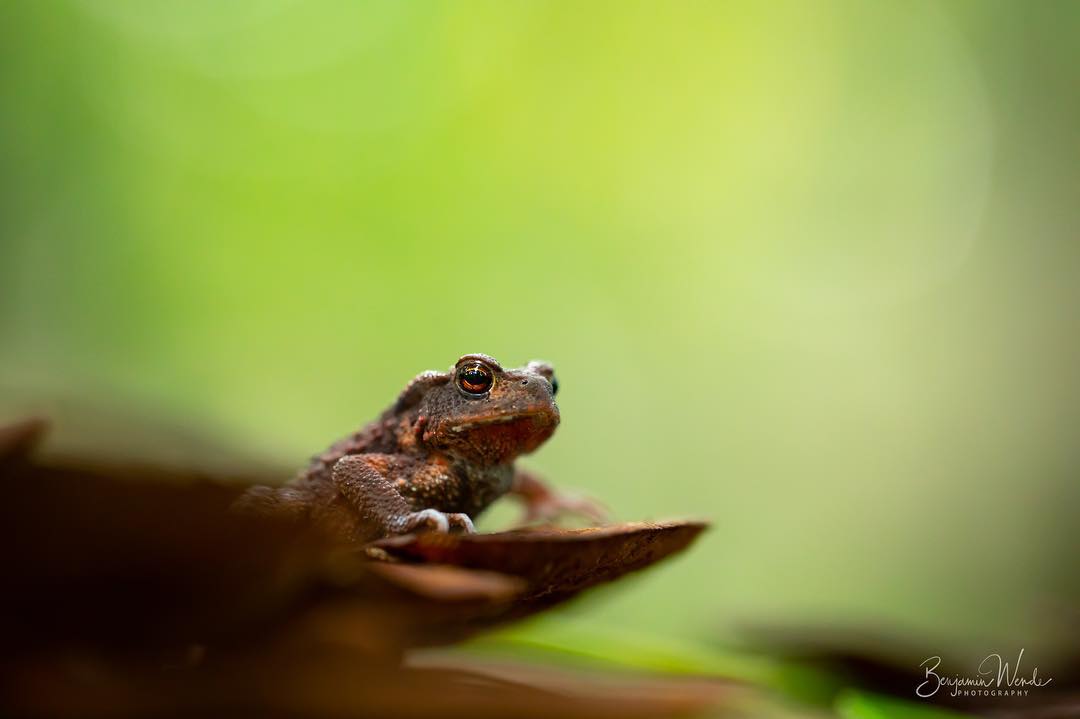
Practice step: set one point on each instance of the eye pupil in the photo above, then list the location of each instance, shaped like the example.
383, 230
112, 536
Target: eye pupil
475, 378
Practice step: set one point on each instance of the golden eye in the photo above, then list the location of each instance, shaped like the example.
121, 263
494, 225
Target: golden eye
475, 378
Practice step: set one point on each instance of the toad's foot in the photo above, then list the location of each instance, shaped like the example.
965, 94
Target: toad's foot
544, 503
559, 504
432, 520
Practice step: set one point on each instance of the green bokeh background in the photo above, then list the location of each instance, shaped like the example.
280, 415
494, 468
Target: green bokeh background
807, 269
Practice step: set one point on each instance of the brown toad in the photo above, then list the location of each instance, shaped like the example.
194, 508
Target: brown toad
435, 459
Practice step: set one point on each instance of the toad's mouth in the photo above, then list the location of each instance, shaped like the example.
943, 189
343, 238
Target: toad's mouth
540, 417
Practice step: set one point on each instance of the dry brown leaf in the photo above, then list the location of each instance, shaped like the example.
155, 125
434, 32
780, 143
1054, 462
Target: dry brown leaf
555, 563
152, 557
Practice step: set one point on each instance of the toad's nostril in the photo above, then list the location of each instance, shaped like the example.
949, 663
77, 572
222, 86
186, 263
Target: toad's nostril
524, 382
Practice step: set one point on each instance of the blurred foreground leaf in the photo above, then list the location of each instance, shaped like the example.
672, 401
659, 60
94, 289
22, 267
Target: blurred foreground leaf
134, 589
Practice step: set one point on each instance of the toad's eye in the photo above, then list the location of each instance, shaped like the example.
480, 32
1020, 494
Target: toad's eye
554, 386
475, 378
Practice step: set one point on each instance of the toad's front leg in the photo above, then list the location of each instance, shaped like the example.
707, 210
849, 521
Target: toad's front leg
381, 508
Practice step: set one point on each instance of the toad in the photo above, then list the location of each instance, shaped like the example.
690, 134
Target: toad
435, 459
